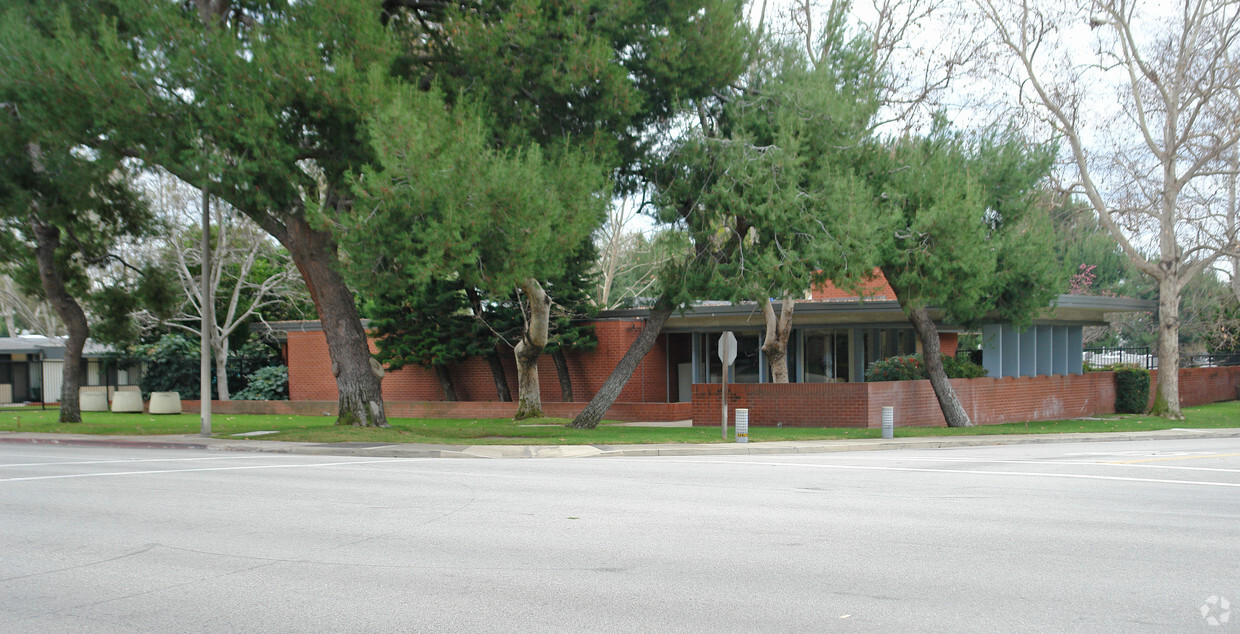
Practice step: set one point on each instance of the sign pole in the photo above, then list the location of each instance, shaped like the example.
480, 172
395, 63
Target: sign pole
207, 324
727, 354
724, 400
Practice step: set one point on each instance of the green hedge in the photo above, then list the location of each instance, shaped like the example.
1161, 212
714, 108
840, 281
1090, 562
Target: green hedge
1132, 389
913, 368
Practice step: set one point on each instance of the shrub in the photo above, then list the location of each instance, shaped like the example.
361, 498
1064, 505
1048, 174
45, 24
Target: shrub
265, 384
912, 368
896, 369
169, 365
963, 368
1132, 389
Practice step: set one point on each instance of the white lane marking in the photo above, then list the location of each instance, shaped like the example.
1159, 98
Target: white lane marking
1079, 476
129, 461
1057, 462
106, 474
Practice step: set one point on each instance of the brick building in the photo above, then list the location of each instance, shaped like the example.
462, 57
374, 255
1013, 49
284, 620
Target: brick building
835, 336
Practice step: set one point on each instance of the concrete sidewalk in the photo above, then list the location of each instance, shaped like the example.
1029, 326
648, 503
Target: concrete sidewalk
586, 451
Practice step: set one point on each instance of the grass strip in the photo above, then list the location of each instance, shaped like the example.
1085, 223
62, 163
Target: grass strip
553, 431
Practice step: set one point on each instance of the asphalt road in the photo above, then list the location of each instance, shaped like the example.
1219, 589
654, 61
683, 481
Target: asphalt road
1133, 536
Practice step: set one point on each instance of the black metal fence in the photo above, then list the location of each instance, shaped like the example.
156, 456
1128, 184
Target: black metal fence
972, 355
1210, 360
1139, 356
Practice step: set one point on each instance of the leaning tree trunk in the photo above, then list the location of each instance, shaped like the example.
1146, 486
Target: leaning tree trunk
1167, 392
445, 383
497, 375
529, 348
778, 329
561, 371
949, 403
358, 374
47, 240
610, 390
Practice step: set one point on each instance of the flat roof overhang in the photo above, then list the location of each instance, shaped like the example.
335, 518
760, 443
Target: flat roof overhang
1079, 310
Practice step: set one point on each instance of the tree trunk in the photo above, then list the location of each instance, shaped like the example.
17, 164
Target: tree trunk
47, 240
445, 383
778, 329
949, 403
221, 368
497, 374
358, 375
561, 370
533, 340
1167, 392
610, 390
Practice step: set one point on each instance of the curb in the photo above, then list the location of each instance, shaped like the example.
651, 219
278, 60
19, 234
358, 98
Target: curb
605, 451
105, 441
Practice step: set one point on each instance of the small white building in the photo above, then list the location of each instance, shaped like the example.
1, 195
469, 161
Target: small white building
32, 366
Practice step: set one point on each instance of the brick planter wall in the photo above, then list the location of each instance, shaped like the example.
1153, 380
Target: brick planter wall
988, 401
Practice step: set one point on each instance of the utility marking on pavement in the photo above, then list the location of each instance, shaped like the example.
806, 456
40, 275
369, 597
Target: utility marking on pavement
1079, 476
127, 461
1218, 455
162, 471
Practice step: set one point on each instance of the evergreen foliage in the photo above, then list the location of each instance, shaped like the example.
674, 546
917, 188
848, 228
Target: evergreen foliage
767, 188
1132, 389
963, 224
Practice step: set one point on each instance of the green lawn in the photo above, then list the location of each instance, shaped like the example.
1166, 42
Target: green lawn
551, 431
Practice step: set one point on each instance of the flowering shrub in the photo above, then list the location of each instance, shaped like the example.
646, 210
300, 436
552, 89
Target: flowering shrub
912, 368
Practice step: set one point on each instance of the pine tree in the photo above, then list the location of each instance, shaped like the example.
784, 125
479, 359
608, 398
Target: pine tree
963, 228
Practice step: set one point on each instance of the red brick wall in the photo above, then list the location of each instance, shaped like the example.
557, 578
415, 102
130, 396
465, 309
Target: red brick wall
632, 412
875, 287
948, 343
310, 378
792, 404
988, 401
1200, 386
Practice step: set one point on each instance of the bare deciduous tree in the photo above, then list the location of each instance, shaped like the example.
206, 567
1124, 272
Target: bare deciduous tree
33, 314
627, 262
247, 271
1146, 100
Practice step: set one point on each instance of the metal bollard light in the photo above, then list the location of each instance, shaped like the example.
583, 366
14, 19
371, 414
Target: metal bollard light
742, 425
889, 421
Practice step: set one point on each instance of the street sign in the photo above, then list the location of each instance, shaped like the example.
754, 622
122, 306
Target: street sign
727, 348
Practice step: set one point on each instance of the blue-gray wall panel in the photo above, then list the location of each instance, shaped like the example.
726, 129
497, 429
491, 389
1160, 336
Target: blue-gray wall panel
1029, 352
1044, 349
1011, 351
1059, 349
1075, 350
992, 349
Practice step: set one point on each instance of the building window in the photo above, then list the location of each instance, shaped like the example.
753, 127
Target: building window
826, 356
746, 368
